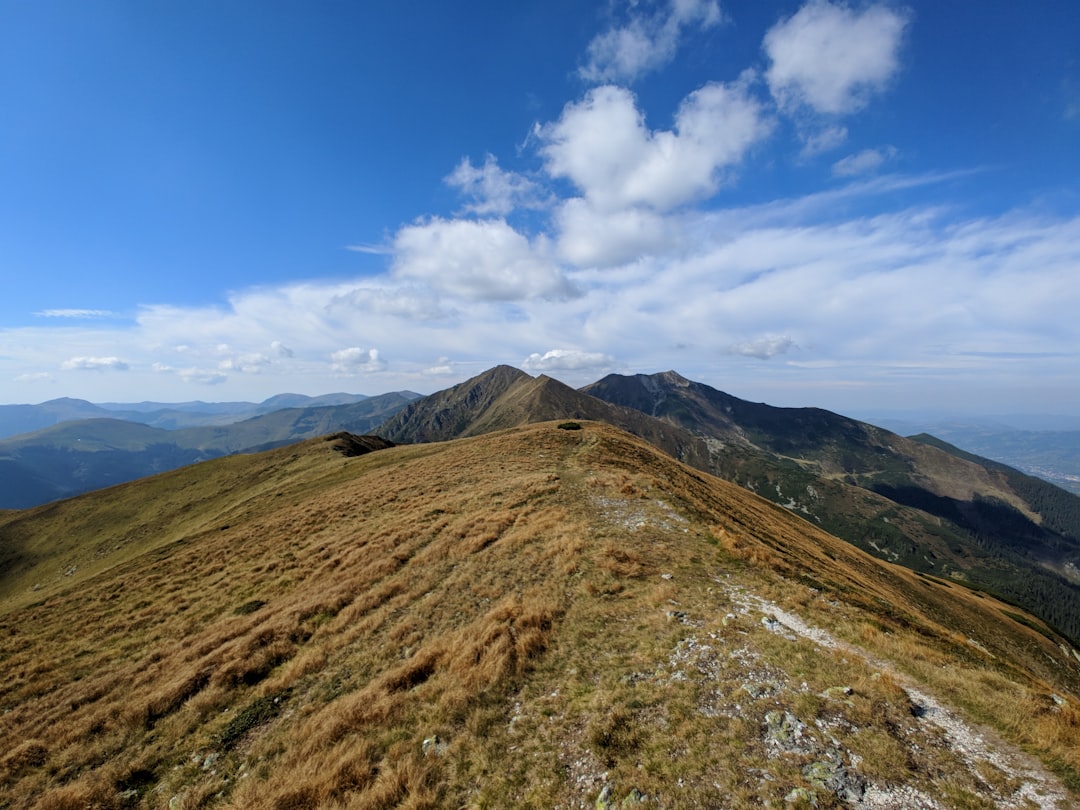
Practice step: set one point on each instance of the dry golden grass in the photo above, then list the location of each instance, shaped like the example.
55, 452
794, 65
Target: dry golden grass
490, 622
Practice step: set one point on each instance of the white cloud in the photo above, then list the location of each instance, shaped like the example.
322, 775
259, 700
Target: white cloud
863, 162
567, 360
371, 249
94, 364
915, 299
355, 360
280, 349
34, 377
645, 43
75, 313
250, 363
493, 191
202, 376
602, 145
480, 260
818, 141
590, 238
831, 58
763, 348
410, 302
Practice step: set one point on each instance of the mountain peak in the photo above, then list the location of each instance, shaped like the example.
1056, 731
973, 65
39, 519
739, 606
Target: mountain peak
672, 378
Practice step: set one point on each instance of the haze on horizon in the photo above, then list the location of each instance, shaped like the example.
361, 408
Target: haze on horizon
858, 206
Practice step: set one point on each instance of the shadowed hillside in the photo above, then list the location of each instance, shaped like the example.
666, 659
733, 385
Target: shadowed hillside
536, 617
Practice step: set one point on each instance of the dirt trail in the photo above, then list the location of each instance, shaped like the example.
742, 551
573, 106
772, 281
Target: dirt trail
1038, 787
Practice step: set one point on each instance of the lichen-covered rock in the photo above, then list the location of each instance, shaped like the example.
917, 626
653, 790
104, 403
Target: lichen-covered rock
801, 797
831, 775
785, 731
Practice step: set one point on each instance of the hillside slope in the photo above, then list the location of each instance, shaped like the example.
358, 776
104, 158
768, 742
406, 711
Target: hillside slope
929, 507
535, 617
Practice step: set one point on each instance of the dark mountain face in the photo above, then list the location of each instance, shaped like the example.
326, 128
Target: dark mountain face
833, 441
449, 413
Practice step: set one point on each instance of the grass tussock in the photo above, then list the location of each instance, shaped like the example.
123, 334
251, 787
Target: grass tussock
523, 619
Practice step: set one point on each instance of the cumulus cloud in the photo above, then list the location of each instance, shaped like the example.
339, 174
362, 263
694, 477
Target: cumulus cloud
602, 145
409, 302
645, 42
567, 360
481, 260
831, 57
355, 360
591, 238
493, 191
763, 348
94, 364
249, 363
280, 349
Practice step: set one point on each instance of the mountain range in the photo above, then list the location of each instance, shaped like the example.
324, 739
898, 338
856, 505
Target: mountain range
917, 501
16, 419
77, 454
538, 614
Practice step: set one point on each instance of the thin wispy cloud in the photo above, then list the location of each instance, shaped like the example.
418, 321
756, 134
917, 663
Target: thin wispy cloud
94, 364
75, 313
864, 162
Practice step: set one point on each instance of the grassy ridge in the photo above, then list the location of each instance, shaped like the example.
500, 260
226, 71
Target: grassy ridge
524, 619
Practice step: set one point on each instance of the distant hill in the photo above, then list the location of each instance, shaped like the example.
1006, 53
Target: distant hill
17, 419
78, 456
1048, 453
552, 615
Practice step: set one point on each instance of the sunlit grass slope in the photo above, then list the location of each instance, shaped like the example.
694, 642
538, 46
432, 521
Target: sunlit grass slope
539, 617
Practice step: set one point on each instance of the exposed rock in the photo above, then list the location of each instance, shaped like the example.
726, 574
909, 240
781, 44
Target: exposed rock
788, 733
802, 797
830, 774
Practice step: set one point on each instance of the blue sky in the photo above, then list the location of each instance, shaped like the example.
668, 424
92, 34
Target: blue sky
859, 206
